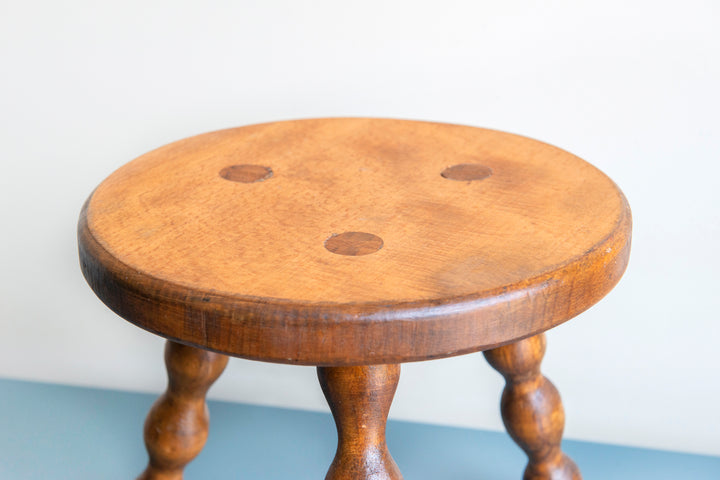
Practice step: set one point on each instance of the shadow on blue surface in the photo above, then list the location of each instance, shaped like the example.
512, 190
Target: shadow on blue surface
60, 432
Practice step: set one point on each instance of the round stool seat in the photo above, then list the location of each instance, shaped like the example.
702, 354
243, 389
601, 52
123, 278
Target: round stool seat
353, 241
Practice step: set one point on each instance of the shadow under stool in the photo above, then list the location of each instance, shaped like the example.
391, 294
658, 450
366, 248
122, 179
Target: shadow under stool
354, 245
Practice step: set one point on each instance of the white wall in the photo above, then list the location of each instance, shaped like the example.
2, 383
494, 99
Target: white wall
631, 86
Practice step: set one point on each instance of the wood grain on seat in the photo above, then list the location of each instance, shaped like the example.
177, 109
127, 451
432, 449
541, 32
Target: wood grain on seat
460, 239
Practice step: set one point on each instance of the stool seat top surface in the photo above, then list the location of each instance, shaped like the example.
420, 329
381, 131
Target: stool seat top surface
362, 227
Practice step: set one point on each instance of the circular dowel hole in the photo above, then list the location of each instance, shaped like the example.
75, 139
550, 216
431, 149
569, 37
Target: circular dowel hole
246, 173
466, 172
353, 243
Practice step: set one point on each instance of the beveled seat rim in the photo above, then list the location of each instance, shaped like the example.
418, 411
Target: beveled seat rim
282, 331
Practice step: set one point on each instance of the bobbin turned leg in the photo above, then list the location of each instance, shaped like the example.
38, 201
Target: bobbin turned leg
531, 409
177, 426
360, 399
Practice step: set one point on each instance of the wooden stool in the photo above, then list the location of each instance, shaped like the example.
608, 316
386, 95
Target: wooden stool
354, 245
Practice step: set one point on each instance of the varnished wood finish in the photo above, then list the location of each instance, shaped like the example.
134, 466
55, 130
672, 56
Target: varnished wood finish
177, 425
360, 398
532, 410
242, 268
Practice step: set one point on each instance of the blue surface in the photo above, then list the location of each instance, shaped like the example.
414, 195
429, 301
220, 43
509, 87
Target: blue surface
60, 432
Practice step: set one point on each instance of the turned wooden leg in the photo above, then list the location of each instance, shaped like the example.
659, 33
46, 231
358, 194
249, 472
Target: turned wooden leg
531, 409
177, 425
360, 399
